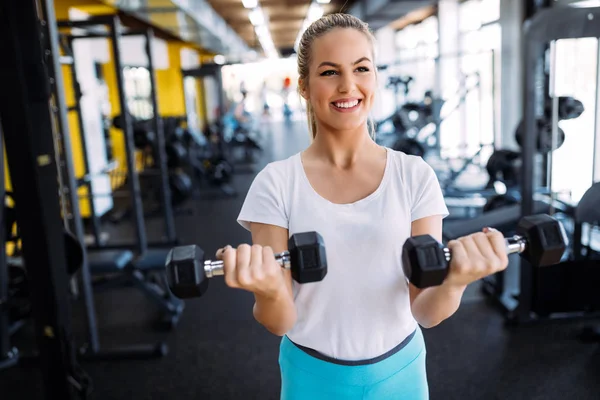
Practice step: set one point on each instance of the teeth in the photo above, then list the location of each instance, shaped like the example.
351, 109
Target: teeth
347, 104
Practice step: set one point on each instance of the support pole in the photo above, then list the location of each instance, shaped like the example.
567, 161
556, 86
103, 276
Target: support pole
27, 126
165, 192
141, 244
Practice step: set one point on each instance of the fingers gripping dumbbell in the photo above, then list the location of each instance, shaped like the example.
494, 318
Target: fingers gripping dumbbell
540, 240
188, 271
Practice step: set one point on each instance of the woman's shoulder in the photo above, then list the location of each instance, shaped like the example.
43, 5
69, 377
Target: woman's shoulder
408, 162
279, 170
412, 171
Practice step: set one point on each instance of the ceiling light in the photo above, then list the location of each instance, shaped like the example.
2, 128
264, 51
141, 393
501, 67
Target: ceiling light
250, 3
261, 31
256, 17
315, 12
323, 1
219, 59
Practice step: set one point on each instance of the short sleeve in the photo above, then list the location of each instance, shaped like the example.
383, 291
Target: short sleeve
264, 202
427, 199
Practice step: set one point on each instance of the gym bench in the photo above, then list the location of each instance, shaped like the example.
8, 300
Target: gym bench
118, 268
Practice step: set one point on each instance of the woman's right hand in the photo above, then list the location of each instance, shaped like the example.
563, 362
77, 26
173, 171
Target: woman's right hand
252, 268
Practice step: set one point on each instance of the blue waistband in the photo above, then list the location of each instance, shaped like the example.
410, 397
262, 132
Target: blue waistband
321, 356
363, 372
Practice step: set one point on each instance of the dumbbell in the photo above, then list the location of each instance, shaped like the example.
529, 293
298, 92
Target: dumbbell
540, 239
188, 272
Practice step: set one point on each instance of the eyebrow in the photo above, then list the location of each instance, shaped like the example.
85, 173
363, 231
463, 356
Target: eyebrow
331, 64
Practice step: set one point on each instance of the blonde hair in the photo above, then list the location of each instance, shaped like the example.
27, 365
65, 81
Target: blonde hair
317, 29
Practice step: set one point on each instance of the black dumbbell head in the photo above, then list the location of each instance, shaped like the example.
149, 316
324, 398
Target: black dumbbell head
308, 257
185, 271
546, 239
569, 108
424, 262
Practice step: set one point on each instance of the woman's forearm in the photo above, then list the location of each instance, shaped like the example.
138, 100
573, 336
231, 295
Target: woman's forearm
434, 305
277, 314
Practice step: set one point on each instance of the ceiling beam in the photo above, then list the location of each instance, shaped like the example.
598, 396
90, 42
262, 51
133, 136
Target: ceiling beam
285, 18
414, 17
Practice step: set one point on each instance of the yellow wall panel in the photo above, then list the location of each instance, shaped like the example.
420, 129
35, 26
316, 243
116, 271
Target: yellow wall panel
169, 84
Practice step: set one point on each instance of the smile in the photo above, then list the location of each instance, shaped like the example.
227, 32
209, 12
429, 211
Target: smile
346, 106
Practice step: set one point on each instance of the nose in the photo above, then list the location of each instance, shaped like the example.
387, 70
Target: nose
346, 84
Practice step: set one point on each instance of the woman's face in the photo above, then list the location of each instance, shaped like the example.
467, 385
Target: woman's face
342, 81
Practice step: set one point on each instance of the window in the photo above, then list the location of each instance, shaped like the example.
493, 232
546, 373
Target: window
137, 90
489, 11
474, 14
417, 48
480, 63
469, 16
576, 65
475, 119
467, 72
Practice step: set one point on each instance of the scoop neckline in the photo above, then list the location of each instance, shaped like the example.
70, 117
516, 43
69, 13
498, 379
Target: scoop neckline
366, 199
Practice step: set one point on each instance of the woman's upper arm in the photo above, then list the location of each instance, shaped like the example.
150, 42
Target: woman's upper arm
425, 226
275, 237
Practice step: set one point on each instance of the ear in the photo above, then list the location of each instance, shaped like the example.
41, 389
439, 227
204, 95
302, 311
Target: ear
303, 89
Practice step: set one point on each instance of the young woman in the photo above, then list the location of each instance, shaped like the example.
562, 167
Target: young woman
356, 334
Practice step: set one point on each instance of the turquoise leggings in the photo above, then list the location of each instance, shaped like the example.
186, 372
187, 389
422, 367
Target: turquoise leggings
399, 376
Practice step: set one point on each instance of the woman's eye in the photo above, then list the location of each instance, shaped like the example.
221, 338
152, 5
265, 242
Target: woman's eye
328, 72
362, 69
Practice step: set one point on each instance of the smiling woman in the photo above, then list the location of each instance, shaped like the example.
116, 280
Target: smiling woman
345, 104
337, 37
349, 335
355, 334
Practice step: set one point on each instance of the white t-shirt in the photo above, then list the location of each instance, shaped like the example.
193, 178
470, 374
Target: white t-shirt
361, 309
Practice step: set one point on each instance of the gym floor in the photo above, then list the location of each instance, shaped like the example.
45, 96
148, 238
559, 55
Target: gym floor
219, 352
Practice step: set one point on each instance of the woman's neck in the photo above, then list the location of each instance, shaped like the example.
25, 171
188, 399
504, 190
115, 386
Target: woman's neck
342, 148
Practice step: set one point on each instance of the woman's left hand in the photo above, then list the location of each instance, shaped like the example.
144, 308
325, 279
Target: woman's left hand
476, 256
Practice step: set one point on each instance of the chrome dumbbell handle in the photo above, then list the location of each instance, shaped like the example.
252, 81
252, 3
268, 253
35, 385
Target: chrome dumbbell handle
514, 244
215, 268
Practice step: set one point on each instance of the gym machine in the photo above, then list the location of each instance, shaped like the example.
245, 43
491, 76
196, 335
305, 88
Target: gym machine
504, 165
587, 217
395, 83
140, 263
412, 120
178, 159
227, 139
408, 119
8, 354
38, 152
211, 158
28, 135
561, 290
15, 303
132, 178
567, 289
